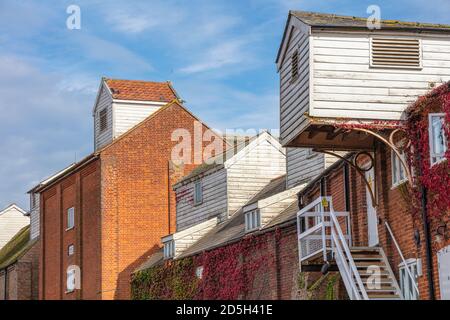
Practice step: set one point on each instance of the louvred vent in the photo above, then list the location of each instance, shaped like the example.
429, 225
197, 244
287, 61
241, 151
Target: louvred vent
395, 53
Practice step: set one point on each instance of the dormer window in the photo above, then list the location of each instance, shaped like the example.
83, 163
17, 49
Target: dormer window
438, 139
252, 220
198, 193
294, 66
395, 53
103, 116
169, 249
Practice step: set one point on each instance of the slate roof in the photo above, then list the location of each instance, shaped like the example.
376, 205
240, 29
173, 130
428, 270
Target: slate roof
234, 228
16, 247
316, 19
141, 90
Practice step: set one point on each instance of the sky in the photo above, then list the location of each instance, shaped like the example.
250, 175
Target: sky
219, 55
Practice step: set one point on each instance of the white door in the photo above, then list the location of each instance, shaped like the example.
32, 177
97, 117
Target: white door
372, 220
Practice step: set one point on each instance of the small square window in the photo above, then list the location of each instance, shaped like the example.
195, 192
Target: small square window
70, 218
70, 250
438, 139
252, 220
103, 115
169, 249
198, 193
199, 272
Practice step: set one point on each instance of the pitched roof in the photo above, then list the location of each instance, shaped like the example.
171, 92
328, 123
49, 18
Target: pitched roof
16, 247
234, 229
13, 206
141, 90
316, 19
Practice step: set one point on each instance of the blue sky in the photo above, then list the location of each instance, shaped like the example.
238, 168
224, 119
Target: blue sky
218, 54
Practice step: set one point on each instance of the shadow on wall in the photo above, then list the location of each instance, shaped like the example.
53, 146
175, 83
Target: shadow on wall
123, 284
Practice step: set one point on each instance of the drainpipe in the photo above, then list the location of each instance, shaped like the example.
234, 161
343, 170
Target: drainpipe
426, 230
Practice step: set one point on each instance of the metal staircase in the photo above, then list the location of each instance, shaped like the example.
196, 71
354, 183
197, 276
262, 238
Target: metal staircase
365, 271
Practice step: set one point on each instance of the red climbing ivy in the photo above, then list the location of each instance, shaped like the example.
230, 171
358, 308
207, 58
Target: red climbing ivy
229, 272
436, 178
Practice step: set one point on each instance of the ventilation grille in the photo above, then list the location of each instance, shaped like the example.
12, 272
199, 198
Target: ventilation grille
395, 53
103, 120
294, 66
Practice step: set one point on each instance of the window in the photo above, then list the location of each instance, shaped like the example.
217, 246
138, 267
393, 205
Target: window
103, 115
199, 272
198, 193
398, 171
438, 140
70, 250
252, 220
395, 53
71, 276
169, 249
406, 283
70, 218
294, 66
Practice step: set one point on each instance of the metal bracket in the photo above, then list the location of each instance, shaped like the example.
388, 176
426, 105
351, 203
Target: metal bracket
358, 170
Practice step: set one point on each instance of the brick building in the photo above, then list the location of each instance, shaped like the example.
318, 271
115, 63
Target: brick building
19, 267
108, 212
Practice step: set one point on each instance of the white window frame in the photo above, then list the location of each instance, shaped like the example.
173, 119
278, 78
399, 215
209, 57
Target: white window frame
71, 278
198, 193
70, 250
70, 218
169, 249
199, 272
252, 220
397, 169
436, 158
408, 290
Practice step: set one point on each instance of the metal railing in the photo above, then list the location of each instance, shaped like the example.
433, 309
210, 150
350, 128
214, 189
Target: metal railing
326, 235
412, 278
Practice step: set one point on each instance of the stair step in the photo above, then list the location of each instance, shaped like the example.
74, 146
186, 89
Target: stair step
367, 257
362, 264
387, 290
383, 297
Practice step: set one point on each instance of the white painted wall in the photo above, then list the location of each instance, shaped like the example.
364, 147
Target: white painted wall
12, 219
344, 84
129, 114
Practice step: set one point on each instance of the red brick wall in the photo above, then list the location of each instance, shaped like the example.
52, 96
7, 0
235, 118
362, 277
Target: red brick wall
136, 183
80, 190
393, 207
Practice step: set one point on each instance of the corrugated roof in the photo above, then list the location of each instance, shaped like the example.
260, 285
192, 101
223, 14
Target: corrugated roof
141, 90
316, 19
16, 247
155, 259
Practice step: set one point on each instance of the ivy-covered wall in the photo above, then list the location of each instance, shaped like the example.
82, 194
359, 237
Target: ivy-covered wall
260, 266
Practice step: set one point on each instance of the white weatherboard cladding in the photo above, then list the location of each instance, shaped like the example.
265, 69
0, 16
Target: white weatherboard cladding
303, 165
255, 168
344, 84
229, 187
104, 101
35, 216
272, 206
214, 202
294, 94
127, 115
444, 272
12, 221
186, 238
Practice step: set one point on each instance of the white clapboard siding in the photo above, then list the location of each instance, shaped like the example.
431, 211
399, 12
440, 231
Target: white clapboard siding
256, 167
34, 216
12, 220
214, 203
104, 101
303, 165
294, 95
345, 85
128, 115
186, 238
